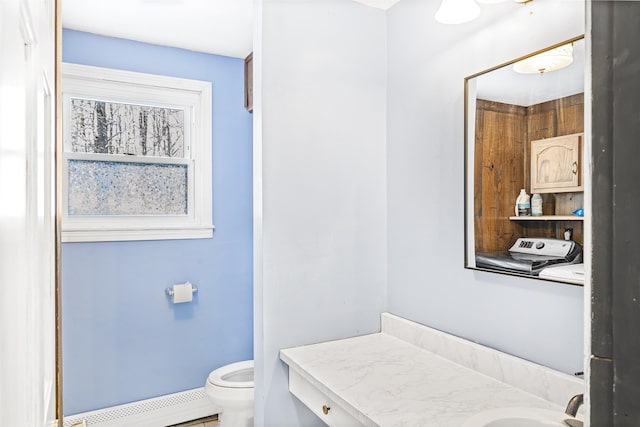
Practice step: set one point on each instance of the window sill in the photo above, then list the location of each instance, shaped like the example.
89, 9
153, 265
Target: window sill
131, 234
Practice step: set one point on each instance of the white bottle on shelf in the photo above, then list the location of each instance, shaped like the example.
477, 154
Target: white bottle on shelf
536, 205
523, 204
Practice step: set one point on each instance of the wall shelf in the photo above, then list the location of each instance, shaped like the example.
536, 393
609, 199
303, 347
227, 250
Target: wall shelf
547, 218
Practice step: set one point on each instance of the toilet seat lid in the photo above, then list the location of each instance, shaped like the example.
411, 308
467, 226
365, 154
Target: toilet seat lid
234, 375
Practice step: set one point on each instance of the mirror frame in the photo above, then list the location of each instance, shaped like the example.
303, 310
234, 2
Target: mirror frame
469, 197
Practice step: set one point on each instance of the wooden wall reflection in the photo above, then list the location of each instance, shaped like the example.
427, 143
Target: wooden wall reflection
503, 133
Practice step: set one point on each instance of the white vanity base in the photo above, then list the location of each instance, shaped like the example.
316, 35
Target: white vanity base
319, 402
410, 374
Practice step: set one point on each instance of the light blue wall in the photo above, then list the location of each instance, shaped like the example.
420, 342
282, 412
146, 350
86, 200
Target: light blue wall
122, 340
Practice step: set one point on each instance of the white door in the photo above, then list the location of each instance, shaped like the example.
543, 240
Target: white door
27, 212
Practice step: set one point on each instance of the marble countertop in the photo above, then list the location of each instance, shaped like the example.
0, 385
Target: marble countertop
384, 381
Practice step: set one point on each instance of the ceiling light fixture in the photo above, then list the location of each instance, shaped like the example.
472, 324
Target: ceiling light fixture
461, 11
551, 60
457, 11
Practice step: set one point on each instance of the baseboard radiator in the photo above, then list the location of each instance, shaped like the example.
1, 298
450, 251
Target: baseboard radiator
157, 412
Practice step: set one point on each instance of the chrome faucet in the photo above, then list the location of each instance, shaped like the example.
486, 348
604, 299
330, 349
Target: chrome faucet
574, 404
572, 410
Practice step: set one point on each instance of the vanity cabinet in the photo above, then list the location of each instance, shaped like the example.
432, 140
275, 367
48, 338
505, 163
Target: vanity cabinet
556, 164
329, 411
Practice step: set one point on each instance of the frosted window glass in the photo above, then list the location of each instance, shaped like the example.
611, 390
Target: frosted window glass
119, 188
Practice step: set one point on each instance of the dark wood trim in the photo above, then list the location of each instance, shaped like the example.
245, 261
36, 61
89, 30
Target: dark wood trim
602, 177
58, 215
615, 295
248, 83
601, 378
626, 208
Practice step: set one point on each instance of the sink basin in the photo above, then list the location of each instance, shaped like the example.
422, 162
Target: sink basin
520, 417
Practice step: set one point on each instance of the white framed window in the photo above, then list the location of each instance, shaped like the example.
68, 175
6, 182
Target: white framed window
137, 156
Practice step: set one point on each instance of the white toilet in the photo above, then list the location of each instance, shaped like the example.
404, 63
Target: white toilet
230, 388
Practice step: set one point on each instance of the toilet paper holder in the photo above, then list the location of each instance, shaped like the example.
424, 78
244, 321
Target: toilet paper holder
169, 291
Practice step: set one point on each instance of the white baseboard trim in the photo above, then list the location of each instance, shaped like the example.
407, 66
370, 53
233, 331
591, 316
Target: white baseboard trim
157, 412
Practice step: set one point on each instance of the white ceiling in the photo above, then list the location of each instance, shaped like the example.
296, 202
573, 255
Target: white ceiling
222, 27
506, 86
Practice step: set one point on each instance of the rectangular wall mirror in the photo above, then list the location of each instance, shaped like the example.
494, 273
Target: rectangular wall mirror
524, 134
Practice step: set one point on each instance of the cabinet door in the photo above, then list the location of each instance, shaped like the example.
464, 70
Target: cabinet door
556, 164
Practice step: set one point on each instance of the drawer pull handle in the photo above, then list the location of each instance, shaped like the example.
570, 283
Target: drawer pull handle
325, 409
574, 168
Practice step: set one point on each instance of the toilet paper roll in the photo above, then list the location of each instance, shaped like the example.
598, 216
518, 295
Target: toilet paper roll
182, 293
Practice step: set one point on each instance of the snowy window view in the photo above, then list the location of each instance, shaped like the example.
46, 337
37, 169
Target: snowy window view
116, 128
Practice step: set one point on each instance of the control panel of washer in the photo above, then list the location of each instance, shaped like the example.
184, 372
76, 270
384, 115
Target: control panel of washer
542, 246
